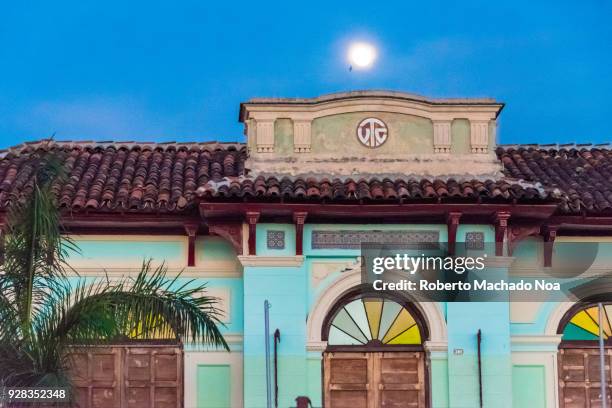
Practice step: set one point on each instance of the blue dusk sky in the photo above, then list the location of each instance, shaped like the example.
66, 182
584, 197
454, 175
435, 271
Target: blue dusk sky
153, 71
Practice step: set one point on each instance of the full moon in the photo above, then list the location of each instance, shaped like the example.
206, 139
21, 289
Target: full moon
362, 55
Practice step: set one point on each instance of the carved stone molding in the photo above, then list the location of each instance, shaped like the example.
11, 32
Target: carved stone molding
479, 136
321, 270
271, 261
301, 136
265, 136
442, 137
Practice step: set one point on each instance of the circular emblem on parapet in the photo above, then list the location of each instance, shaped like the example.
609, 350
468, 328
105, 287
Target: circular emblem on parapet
372, 132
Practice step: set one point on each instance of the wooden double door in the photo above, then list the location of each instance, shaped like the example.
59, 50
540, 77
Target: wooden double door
374, 380
128, 376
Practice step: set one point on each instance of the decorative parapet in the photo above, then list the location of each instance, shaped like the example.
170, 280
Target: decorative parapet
442, 137
372, 133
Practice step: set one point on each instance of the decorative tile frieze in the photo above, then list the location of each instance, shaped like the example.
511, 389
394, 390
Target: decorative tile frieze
276, 239
353, 239
474, 240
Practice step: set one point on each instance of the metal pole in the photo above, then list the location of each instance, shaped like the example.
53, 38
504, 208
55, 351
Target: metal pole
602, 359
479, 340
267, 337
276, 341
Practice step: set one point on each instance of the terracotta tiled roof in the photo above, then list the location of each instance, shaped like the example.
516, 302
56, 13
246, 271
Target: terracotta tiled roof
169, 177
126, 176
362, 190
583, 172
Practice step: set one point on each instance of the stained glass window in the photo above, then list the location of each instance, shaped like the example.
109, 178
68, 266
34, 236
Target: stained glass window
369, 319
584, 325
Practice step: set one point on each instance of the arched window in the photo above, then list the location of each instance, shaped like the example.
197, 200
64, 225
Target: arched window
579, 356
582, 323
372, 320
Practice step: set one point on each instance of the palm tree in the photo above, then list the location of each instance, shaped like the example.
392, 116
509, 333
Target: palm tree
44, 313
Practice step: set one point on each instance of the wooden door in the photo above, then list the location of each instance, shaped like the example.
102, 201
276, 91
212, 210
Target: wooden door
129, 376
96, 375
579, 373
348, 380
374, 379
152, 377
400, 379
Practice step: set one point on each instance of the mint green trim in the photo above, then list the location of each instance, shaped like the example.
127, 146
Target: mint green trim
214, 386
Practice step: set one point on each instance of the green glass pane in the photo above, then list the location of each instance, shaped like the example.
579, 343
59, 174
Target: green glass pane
573, 332
338, 337
345, 323
358, 313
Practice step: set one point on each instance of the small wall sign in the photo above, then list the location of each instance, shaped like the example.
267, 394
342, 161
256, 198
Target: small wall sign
372, 132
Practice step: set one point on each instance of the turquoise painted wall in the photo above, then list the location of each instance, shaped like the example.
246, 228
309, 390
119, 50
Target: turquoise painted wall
127, 252
439, 380
285, 289
464, 321
292, 294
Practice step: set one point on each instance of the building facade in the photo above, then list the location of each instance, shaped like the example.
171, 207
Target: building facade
281, 218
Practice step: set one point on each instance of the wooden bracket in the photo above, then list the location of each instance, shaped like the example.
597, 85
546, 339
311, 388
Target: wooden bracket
452, 222
231, 231
500, 219
299, 218
191, 229
549, 232
252, 218
518, 232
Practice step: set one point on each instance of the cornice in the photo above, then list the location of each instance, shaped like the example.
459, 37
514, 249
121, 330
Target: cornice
272, 261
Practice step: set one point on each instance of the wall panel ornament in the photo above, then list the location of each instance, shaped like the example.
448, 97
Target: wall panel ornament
372, 132
474, 240
276, 239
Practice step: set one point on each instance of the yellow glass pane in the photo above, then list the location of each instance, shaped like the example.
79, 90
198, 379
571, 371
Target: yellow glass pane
594, 313
584, 321
410, 336
163, 331
373, 310
403, 321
